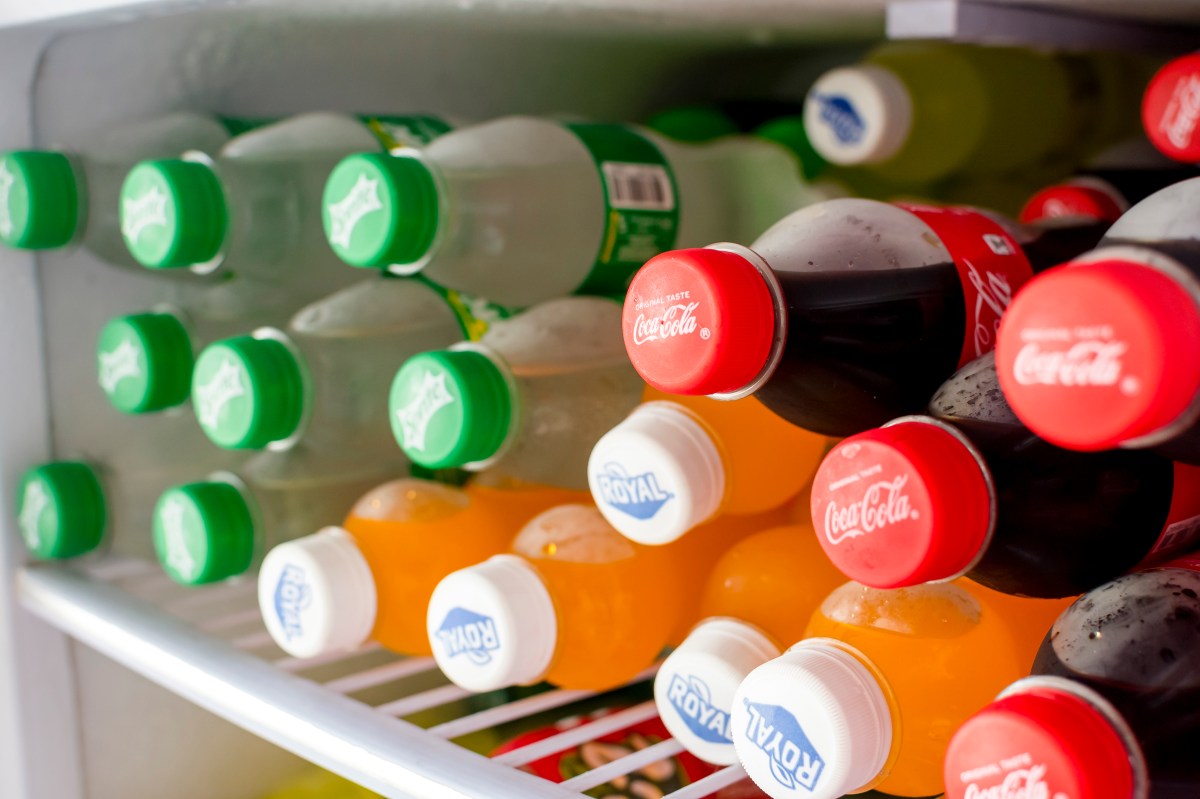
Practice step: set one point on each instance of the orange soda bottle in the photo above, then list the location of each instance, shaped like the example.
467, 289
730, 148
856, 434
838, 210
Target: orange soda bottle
371, 578
872, 694
756, 602
574, 602
676, 462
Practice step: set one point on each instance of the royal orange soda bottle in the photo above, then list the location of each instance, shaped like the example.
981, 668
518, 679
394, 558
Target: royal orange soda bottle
574, 603
870, 697
371, 578
676, 462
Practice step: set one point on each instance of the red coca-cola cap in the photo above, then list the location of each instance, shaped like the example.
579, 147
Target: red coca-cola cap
1091, 355
698, 321
1038, 742
902, 504
1171, 109
1074, 200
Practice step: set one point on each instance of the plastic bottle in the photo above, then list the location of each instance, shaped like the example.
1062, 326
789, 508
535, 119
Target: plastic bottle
371, 577
528, 401
970, 490
324, 380
221, 527
1102, 352
917, 112
522, 210
851, 706
841, 316
1112, 712
51, 199
254, 206
676, 462
756, 601
1171, 109
572, 587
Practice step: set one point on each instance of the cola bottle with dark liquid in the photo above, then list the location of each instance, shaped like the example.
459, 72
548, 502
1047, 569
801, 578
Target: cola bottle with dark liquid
842, 315
1104, 351
970, 490
1113, 711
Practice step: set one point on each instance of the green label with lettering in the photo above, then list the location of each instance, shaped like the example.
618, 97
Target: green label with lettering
397, 132
475, 314
641, 204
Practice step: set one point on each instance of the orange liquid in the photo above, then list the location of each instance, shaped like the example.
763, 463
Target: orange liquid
767, 460
413, 533
941, 655
774, 580
1028, 620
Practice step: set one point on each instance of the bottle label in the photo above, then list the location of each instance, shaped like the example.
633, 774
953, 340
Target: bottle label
399, 132
641, 204
465, 632
293, 595
1181, 532
991, 266
475, 315
793, 759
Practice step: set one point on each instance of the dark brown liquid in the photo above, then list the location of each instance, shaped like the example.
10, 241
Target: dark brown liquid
1136, 641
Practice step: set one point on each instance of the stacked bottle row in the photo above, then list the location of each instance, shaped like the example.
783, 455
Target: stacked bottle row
624, 456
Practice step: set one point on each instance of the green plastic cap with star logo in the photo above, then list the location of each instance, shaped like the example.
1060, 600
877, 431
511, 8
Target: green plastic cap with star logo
39, 199
380, 210
248, 392
450, 408
144, 362
61, 510
173, 214
204, 532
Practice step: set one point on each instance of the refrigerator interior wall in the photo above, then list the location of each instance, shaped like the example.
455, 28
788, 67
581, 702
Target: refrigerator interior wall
73, 724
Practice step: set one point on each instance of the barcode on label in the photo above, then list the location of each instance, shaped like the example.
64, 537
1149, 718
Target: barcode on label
638, 186
1181, 535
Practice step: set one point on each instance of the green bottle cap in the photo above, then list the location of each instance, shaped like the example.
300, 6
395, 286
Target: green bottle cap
203, 532
39, 199
791, 133
450, 408
173, 214
144, 362
693, 123
61, 510
380, 210
247, 392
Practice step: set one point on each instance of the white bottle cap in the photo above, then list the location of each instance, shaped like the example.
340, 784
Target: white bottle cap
696, 684
858, 115
317, 594
657, 474
493, 625
812, 723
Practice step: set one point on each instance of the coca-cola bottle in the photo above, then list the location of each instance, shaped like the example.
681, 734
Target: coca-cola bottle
970, 490
1114, 709
840, 316
1106, 189
1105, 350
1171, 109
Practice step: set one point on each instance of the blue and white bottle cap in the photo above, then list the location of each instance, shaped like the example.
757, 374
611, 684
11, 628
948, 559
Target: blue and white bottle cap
812, 723
858, 115
493, 625
317, 594
696, 684
657, 474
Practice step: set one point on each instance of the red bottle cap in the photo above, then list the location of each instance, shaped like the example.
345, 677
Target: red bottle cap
1095, 354
1038, 742
1171, 109
902, 504
698, 321
1073, 200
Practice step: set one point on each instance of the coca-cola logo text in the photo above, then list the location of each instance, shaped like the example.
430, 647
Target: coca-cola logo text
1085, 363
1179, 118
676, 320
1028, 783
993, 293
883, 503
